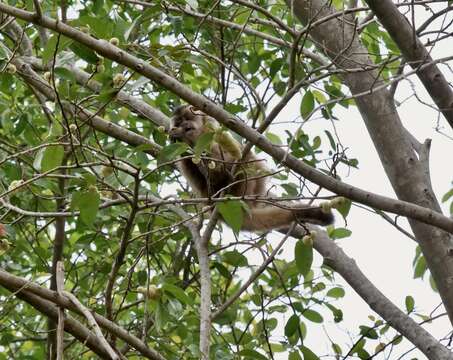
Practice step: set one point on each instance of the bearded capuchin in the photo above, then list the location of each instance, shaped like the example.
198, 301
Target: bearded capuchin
210, 177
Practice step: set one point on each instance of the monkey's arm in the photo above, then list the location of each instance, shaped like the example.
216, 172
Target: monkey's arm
228, 144
224, 139
194, 177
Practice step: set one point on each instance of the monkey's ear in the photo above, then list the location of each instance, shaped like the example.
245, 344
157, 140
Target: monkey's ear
195, 111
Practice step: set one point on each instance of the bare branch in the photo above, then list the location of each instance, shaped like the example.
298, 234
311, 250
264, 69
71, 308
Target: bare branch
93, 324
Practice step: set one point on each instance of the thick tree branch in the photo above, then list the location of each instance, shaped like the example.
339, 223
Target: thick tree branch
416, 54
202, 247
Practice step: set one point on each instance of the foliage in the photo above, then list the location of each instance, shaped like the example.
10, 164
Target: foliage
53, 161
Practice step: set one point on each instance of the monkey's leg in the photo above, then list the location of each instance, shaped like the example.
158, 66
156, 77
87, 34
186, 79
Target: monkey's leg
272, 217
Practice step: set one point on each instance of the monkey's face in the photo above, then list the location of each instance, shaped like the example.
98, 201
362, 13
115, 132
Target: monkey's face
187, 124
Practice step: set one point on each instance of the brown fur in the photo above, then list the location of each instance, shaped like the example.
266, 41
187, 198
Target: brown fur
188, 124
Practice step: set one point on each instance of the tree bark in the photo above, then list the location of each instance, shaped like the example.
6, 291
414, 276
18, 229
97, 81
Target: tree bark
416, 54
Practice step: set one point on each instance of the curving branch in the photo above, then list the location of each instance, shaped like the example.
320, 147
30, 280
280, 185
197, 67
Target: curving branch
27, 290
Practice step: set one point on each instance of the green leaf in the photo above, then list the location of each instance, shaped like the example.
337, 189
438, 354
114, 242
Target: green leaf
171, 152
251, 354
293, 355
432, 282
178, 293
233, 214
410, 303
52, 157
308, 354
291, 189
307, 105
84, 53
336, 293
51, 44
274, 139
420, 268
340, 233
276, 65
333, 145
90, 179
234, 258
337, 349
291, 325
222, 270
253, 63
316, 142
304, 257
143, 148
319, 96
345, 208
337, 313
107, 95
313, 316
447, 196
65, 74
368, 332
358, 346
87, 202
203, 143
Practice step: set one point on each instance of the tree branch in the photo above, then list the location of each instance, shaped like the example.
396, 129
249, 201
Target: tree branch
21, 286
92, 322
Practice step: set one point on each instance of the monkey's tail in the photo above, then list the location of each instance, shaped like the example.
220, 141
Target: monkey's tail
273, 217
314, 215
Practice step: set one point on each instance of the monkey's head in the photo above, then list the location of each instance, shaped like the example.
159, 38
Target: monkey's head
187, 124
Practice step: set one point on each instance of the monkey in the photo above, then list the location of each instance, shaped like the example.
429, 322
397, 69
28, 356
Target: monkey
209, 178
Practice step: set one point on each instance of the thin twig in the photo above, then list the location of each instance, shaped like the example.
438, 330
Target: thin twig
38, 9
60, 327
